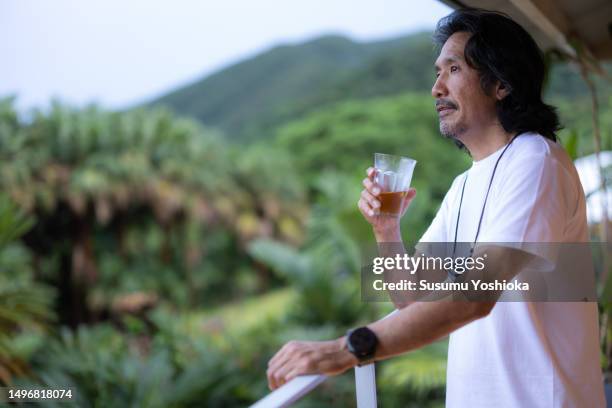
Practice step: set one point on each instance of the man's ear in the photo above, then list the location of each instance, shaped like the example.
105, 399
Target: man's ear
501, 91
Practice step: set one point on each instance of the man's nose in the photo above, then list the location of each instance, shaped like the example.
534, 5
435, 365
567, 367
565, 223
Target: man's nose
439, 88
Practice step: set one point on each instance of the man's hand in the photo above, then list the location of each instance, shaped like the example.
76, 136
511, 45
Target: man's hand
386, 227
309, 357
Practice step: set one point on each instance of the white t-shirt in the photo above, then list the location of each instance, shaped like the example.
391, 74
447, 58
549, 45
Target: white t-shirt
522, 354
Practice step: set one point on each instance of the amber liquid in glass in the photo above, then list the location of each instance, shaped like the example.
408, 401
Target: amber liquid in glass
391, 203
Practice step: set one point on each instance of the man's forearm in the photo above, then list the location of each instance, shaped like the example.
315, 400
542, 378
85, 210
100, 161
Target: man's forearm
388, 234
390, 244
423, 323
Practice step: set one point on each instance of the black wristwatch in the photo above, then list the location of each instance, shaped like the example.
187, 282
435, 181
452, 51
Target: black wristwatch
362, 343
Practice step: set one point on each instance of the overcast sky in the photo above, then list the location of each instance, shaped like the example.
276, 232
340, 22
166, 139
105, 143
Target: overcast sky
118, 53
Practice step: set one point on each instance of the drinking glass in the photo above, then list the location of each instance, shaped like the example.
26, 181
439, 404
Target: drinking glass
393, 175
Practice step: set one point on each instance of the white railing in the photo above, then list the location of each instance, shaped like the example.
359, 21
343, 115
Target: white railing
365, 388
290, 392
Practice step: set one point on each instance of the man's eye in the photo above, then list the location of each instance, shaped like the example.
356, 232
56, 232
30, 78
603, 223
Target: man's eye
454, 68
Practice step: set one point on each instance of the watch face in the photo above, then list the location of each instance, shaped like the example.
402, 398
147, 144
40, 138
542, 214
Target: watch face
362, 341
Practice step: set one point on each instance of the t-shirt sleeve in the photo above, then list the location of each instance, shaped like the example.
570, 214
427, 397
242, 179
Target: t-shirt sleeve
531, 206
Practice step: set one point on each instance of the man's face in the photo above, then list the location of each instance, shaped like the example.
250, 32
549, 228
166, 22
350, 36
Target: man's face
461, 103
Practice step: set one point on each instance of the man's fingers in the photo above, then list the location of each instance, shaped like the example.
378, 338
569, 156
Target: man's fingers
277, 366
372, 187
280, 355
301, 366
278, 373
271, 380
365, 208
372, 201
281, 374
273, 376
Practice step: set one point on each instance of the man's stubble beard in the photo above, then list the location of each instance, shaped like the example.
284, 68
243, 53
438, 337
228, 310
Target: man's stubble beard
451, 131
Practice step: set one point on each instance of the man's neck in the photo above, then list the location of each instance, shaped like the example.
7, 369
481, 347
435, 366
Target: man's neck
484, 142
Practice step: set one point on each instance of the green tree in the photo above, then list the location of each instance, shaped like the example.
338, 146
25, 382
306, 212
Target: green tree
25, 305
138, 193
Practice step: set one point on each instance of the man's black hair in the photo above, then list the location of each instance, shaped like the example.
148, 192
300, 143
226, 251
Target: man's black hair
501, 50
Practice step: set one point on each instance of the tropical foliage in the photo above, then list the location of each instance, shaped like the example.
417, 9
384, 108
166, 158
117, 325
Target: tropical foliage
25, 305
135, 200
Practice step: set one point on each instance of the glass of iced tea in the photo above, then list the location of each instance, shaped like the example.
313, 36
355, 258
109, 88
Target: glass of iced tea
393, 175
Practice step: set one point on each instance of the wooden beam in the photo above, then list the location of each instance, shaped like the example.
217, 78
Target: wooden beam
549, 19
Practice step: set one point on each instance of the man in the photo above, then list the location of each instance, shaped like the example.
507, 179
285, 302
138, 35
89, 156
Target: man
522, 187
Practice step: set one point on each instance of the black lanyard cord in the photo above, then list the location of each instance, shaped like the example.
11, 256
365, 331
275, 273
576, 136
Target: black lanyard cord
483, 205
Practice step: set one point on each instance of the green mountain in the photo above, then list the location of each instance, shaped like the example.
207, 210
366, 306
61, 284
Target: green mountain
251, 99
